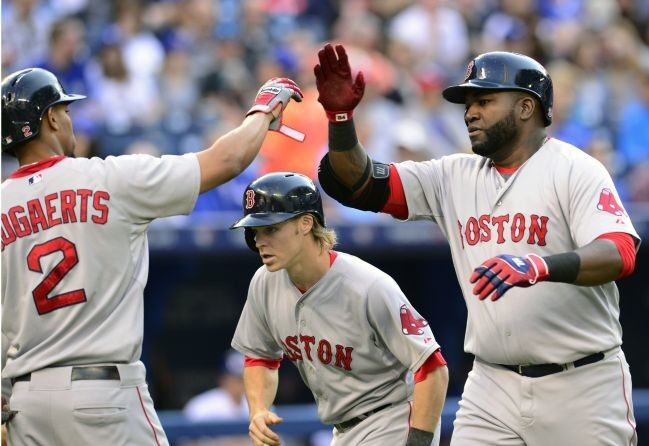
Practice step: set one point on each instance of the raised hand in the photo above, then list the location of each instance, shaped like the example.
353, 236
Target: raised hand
337, 92
272, 98
498, 274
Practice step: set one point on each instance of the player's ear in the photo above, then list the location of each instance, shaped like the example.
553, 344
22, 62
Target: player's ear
526, 106
306, 223
51, 119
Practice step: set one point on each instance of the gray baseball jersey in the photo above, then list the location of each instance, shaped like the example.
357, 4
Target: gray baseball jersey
353, 336
75, 256
558, 200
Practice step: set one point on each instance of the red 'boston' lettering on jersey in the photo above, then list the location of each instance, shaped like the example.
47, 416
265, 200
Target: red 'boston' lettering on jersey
291, 348
324, 351
307, 341
64, 207
344, 357
533, 229
294, 345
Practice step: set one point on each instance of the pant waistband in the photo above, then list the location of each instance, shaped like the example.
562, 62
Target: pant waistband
107, 372
540, 370
346, 425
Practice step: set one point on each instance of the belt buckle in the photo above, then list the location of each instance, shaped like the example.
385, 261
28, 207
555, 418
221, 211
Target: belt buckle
520, 369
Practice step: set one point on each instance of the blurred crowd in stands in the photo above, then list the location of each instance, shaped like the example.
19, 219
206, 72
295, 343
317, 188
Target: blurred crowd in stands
168, 76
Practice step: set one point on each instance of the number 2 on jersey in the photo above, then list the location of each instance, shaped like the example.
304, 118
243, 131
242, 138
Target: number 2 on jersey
43, 303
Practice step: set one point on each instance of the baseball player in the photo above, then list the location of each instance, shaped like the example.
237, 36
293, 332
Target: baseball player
75, 262
347, 327
528, 216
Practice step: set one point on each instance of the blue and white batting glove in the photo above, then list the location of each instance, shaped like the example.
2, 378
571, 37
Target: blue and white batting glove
498, 274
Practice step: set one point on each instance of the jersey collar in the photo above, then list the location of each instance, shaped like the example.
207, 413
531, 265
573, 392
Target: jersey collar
332, 258
506, 170
37, 167
512, 170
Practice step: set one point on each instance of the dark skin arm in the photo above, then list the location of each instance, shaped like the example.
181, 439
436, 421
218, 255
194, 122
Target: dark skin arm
339, 91
349, 165
600, 263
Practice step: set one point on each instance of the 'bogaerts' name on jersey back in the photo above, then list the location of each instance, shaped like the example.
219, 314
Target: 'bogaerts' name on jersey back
61, 207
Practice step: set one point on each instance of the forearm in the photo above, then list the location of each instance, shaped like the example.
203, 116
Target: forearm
260, 385
598, 262
233, 152
428, 401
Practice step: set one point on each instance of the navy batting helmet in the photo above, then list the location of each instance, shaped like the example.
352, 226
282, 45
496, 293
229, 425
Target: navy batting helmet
26, 95
501, 70
277, 197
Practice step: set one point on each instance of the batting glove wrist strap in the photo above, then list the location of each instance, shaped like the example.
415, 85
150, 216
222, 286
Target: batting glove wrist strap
418, 437
498, 274
540, 268
339, 116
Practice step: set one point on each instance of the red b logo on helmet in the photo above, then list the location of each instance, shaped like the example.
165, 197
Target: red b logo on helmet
469, 70
250, 198
608, 203
410, 325
27, 131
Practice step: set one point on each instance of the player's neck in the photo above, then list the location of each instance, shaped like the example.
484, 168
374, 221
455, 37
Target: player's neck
523, 150
312, 266
36, 151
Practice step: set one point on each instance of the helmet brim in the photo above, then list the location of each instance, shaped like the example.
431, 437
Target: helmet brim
262, 219
69, 98
457, 93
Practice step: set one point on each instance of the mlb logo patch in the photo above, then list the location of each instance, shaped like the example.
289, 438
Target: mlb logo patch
35, 179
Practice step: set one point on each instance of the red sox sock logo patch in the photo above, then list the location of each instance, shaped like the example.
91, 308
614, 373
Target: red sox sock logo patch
608, 203
410, 325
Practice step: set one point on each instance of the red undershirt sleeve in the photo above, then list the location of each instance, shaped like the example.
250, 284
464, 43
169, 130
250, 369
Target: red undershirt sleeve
626, 247
396, 204
272, 364
434, 360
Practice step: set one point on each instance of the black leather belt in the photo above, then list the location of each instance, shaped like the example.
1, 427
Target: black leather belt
105, 372
540, 370
346, 425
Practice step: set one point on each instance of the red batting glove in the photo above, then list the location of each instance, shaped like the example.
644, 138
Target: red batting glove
498, 274
337, 93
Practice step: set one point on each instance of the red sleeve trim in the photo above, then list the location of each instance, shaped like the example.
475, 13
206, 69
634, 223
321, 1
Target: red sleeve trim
626, 247
435, 360
396, 204
272, 364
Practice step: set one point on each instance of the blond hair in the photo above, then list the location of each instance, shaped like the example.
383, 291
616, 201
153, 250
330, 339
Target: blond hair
326, 237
